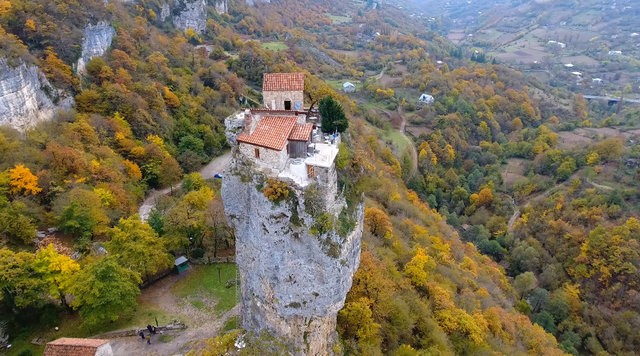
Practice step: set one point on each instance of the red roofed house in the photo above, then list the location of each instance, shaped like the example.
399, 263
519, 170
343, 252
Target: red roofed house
282, 138
272, 140
283, 91
78, 347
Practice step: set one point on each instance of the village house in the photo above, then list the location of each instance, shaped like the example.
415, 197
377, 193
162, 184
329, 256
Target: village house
283, 91
287, 142
348, 87
78, 347
426, 99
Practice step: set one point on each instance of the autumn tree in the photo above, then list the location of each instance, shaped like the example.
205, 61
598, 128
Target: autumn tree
56, 270
21, 286
81, 214
57, 70
23, 181
104, 291
377, 221
357, 323
186, 223
15, 222
136, 246
5, 7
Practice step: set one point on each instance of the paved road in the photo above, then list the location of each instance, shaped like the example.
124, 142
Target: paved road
218, 164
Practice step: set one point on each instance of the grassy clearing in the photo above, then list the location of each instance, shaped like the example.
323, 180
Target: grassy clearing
275, 46
337, 84
399, 142
210, 280
339, 19
232, 323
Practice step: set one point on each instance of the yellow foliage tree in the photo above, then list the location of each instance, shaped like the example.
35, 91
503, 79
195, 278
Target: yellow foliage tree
170, 98
5, 7
133, 170
56, 270
30, 25
377, 221
22, 181
593, 158
416, 269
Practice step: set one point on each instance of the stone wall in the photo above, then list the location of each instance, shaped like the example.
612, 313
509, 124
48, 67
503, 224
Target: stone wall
271, 158
293, 283
277, 98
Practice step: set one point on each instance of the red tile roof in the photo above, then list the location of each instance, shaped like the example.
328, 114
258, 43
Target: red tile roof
301, 132
73, 347
283, 82
271, 132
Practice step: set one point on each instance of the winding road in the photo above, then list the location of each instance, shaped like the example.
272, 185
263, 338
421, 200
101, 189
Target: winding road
217, 165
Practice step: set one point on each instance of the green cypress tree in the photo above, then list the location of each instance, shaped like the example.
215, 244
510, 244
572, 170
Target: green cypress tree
333, 117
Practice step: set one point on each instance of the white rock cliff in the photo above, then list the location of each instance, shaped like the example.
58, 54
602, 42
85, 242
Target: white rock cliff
190, 14
294, 278
24, 96
96, 41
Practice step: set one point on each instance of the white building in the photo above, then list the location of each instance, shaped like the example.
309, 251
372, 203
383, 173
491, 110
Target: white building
348, 87
426, 99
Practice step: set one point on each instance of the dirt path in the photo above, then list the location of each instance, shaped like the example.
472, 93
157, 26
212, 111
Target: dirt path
412, 146
600, 186
401, 128
514, 217
217, 165
201, 324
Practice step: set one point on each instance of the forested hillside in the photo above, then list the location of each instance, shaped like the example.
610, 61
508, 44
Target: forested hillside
443, 269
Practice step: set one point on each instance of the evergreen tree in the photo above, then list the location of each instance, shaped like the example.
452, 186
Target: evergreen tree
333, 117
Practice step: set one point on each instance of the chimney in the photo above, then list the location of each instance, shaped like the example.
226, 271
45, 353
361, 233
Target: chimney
248, 121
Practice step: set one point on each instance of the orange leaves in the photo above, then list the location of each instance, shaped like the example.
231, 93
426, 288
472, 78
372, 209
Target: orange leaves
29, 24
170, 98
484, 197
133, 170
57, 70
377, 221
276, 190
22, 181
5, 7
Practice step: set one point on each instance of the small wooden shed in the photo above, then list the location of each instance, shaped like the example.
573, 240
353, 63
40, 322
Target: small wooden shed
181, 264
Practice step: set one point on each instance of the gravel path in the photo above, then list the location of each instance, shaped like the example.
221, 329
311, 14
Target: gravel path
217, 165
201, 324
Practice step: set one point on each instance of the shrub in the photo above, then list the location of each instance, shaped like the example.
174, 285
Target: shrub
276, 190
197, 252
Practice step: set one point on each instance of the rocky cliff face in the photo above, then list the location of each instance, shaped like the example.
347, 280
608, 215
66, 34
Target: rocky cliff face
221, 6
25, 96
190, 14
294, 276
254, 2
97, 39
